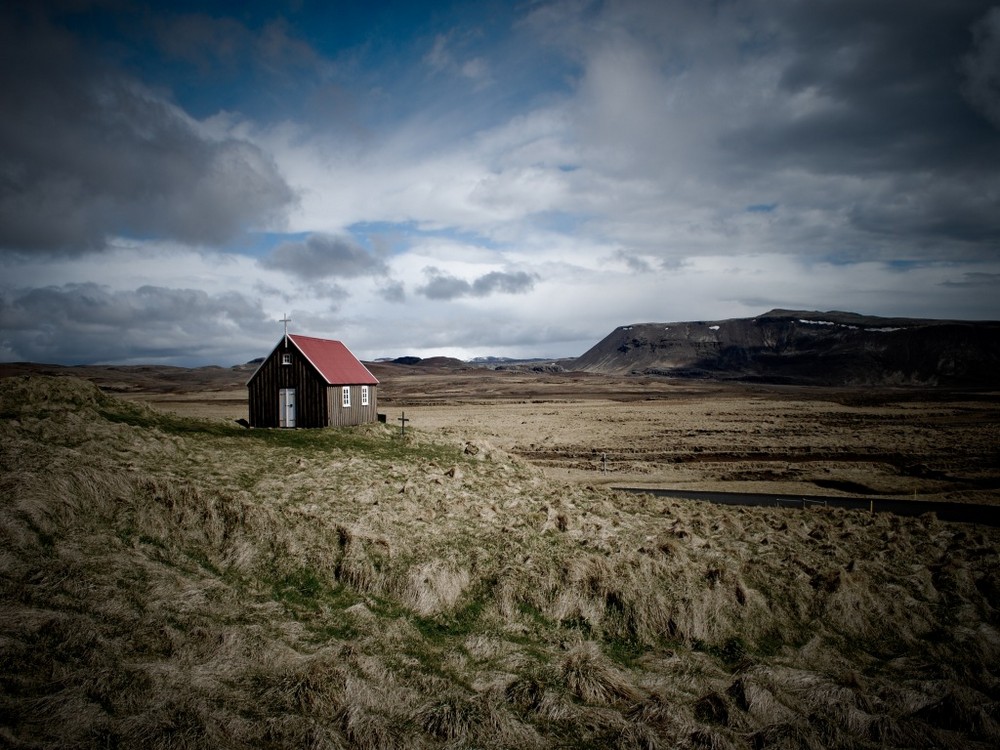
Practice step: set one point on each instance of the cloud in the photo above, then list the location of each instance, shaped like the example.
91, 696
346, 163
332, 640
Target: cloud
517, 282
393, 292
976, 279
982, 67
684, 114
203, 41
88, 323
443, 286
323, 256
88, 153
331, 294
224, 44
438, 58
864, 94
442, 58
633, 262
628, 160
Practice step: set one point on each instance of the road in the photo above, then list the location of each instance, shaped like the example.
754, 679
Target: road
945, 511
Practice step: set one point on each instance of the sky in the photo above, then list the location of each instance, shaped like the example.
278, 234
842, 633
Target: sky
485, 178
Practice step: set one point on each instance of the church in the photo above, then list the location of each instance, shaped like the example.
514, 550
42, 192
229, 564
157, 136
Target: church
311, 382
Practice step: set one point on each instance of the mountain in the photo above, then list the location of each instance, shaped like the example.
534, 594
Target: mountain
806, 347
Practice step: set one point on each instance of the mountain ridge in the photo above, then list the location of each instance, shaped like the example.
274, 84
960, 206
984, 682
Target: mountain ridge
806, 347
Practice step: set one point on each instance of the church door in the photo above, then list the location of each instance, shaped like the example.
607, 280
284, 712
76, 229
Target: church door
286, 407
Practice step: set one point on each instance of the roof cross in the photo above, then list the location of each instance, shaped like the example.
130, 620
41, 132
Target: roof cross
286, 320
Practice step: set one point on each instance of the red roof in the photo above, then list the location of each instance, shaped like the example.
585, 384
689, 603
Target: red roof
333, 361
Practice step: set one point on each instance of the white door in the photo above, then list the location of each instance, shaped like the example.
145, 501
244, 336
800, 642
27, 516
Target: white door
286, 407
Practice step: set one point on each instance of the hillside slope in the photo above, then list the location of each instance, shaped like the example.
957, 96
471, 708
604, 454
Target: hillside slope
172, 583
822, 348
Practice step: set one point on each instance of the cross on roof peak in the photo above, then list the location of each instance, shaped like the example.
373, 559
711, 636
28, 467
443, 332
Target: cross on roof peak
286, 320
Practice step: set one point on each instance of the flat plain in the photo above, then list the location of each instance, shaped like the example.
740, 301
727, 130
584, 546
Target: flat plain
684, 434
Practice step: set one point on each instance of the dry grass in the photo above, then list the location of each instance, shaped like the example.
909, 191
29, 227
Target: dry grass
176, 583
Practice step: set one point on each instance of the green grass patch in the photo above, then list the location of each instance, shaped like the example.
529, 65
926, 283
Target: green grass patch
311, 599
534, 614
459, 623
301, 588
304, 442
579, 624
199, 558
331, 628
771, 643
626, 652
732, 652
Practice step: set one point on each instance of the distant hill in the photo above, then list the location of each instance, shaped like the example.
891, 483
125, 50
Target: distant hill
806, 347
431, 362
143, 378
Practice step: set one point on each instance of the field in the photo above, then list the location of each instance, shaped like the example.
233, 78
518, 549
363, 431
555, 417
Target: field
912, 443
170, 579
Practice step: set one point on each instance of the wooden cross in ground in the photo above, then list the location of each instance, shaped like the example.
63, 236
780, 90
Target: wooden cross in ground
402, 423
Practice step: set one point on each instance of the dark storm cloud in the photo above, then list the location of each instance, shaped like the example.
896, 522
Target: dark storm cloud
977, 279
929, 210
982, 67
87, 152
443, 286
900, 97
888, 80
86, 323
323, 256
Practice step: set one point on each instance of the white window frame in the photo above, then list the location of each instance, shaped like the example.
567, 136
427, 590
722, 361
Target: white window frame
345, 396
286, 359
364, 395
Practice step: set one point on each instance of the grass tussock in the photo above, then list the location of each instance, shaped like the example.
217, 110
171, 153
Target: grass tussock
180, 583
590, 676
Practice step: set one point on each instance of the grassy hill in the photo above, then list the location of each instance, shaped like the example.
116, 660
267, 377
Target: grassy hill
174, 583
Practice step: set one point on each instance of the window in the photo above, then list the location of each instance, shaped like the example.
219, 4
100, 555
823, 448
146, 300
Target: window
364, 395
345, 396
286, 359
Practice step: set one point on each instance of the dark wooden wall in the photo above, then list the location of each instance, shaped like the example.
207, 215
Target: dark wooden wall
316, 403
341, 416
310, 390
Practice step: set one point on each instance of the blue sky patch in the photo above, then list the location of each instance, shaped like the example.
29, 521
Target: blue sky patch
260, 244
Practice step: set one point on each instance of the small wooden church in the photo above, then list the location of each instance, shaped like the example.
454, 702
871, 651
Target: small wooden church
311, 382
